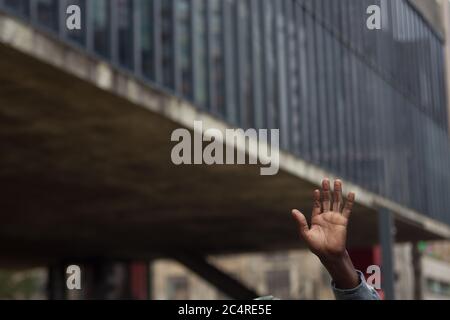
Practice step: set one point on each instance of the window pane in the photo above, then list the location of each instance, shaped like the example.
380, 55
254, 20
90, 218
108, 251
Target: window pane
167, 38
184, 46
244, 71
125, 30
47, 13
269, 57
200, 57
217, 59
147, 38
18, 6
101, 24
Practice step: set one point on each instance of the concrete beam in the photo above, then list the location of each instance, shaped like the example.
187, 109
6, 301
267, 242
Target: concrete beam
222, 281
431, 12
100, 181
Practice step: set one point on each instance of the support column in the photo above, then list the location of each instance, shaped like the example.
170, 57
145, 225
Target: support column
417, 267
386, 236
56, 282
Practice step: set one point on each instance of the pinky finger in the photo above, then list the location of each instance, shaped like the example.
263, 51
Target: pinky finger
349, 205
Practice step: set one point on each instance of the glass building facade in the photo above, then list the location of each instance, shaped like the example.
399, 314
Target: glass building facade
367, 105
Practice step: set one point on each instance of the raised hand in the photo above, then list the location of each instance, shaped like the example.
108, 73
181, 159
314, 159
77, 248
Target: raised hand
328, 232
327, 235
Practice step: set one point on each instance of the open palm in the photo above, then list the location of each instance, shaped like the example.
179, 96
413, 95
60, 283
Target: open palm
328, 233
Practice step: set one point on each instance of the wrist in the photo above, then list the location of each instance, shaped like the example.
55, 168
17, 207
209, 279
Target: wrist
336, 258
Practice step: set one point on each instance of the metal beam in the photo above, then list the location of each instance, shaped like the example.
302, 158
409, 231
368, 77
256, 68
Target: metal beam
114, 34
89, 25
255, 36
137, 46
176, 51
211, 105
62, 16
222, 281
157, 53
229, 54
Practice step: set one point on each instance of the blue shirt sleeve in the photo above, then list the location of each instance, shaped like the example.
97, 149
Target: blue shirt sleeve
362, 292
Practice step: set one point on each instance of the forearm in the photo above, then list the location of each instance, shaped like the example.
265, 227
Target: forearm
341, 270
348, 283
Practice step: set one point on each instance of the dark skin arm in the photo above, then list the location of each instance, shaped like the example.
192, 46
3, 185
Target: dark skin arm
326, 237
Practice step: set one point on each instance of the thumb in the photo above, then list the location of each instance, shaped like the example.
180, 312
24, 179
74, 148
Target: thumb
302, 223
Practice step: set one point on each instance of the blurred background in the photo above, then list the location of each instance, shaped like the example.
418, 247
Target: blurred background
86, 117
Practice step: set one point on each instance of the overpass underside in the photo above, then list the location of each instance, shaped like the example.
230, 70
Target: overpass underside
86, 172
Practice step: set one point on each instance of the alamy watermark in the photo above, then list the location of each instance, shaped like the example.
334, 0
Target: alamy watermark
374, 278
234, 146
374, 20
73, 281
73, 21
